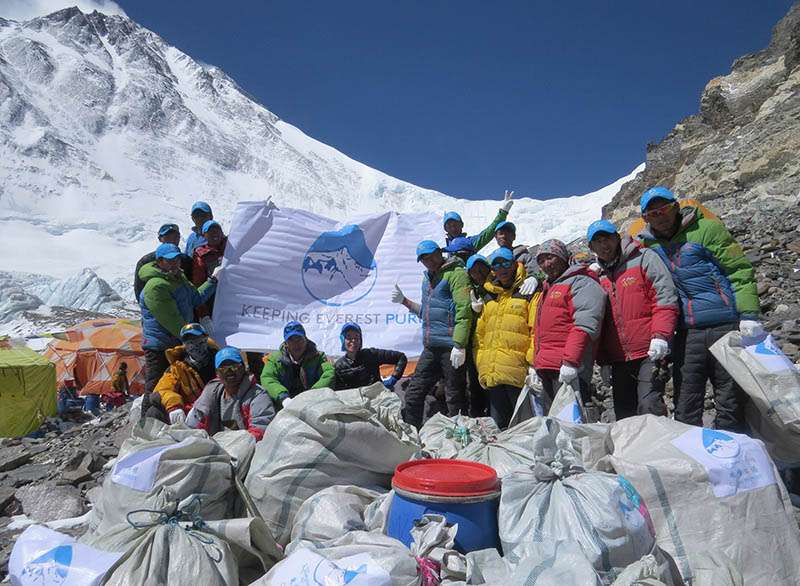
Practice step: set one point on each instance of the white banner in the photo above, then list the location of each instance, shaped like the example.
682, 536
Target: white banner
286, 264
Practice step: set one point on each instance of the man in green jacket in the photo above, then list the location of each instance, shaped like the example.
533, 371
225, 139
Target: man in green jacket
717, 289
446, 314
454, 225
296, 367
167, 301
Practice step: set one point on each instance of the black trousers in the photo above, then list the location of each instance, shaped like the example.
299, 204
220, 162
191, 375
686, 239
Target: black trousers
478, 399
551, 385
502, 400
433, 365
635, 390
155, 364
693, 366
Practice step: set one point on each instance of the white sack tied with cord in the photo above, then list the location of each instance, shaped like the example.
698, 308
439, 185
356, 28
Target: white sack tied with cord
516, 446
160, 465
324, 438
557, 499
445, 437
773, 384
710, 490
288, 264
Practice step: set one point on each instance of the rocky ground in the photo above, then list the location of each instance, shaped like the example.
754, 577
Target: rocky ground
51, 477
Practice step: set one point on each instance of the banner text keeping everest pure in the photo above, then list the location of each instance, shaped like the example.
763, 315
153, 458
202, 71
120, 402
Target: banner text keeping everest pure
290, 265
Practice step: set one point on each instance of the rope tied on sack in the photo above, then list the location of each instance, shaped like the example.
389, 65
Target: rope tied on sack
429, 571
174, 517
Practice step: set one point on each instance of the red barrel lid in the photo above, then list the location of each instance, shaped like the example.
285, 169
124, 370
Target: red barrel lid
446, 478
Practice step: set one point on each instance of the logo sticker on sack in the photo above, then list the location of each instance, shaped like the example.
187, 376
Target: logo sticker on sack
769, 355
570, 413
734, 462
138, 470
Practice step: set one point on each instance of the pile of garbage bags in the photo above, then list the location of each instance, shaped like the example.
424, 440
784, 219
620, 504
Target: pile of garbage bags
645, 501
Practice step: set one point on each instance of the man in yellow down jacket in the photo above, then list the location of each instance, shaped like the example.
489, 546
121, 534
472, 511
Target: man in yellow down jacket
503, 335
191, 367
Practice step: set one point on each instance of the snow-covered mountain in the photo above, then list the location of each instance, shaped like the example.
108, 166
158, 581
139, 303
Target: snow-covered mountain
107, 131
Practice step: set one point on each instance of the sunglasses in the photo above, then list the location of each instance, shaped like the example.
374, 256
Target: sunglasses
228, 368
658, 212
502, 264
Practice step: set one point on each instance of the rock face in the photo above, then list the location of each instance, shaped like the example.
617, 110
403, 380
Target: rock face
740, 150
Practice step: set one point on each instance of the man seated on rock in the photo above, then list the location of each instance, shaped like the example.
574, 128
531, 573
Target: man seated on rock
169, 234
454, 225
504, 234
360, 366
119, 388
296, 367
233, 400
191, 368
568, 321
168, 301
718, 294
640, 319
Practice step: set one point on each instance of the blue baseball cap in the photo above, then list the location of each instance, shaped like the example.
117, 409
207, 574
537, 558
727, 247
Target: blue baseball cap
452, 216
476, 258
193, 329
501, 254
460, 244
506, 224
656, 193
208, 225
426, 247
346, 328
201, 206
598, 226
167, 228
228, 354
293, 328
168, 251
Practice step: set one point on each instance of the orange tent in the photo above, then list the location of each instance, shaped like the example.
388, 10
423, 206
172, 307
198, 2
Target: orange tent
91, 353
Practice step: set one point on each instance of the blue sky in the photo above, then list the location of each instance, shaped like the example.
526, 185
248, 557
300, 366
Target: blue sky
467, 97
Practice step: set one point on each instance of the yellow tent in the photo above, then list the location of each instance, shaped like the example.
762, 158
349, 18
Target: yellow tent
27, 390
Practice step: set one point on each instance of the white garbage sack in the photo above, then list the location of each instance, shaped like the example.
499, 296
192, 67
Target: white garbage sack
708, 489
557, 499
515, 447
445, 437
381, 553
160, 465
334, 511
324, 438
240, 445
567, 405
44, 557
712, 568
529, 404
773, 385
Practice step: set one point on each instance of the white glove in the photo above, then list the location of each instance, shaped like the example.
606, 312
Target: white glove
397, 295
595, 268
567, 373
457, 357
476, 302
532, 380
528, 286
208, 325
286, 402
750, 328
605, 374
216, 273
177, 416
507, 201
658, 349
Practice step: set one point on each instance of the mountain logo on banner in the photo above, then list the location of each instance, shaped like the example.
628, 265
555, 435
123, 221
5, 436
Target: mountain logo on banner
719, 444
339, 268
51, 567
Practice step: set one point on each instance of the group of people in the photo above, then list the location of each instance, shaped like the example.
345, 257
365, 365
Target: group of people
491, 326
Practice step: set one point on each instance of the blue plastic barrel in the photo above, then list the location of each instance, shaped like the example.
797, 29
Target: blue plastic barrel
466, 493
91, 403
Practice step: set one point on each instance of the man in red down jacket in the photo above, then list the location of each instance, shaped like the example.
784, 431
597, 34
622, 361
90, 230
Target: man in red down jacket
640, 319
205, 259
568, 322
